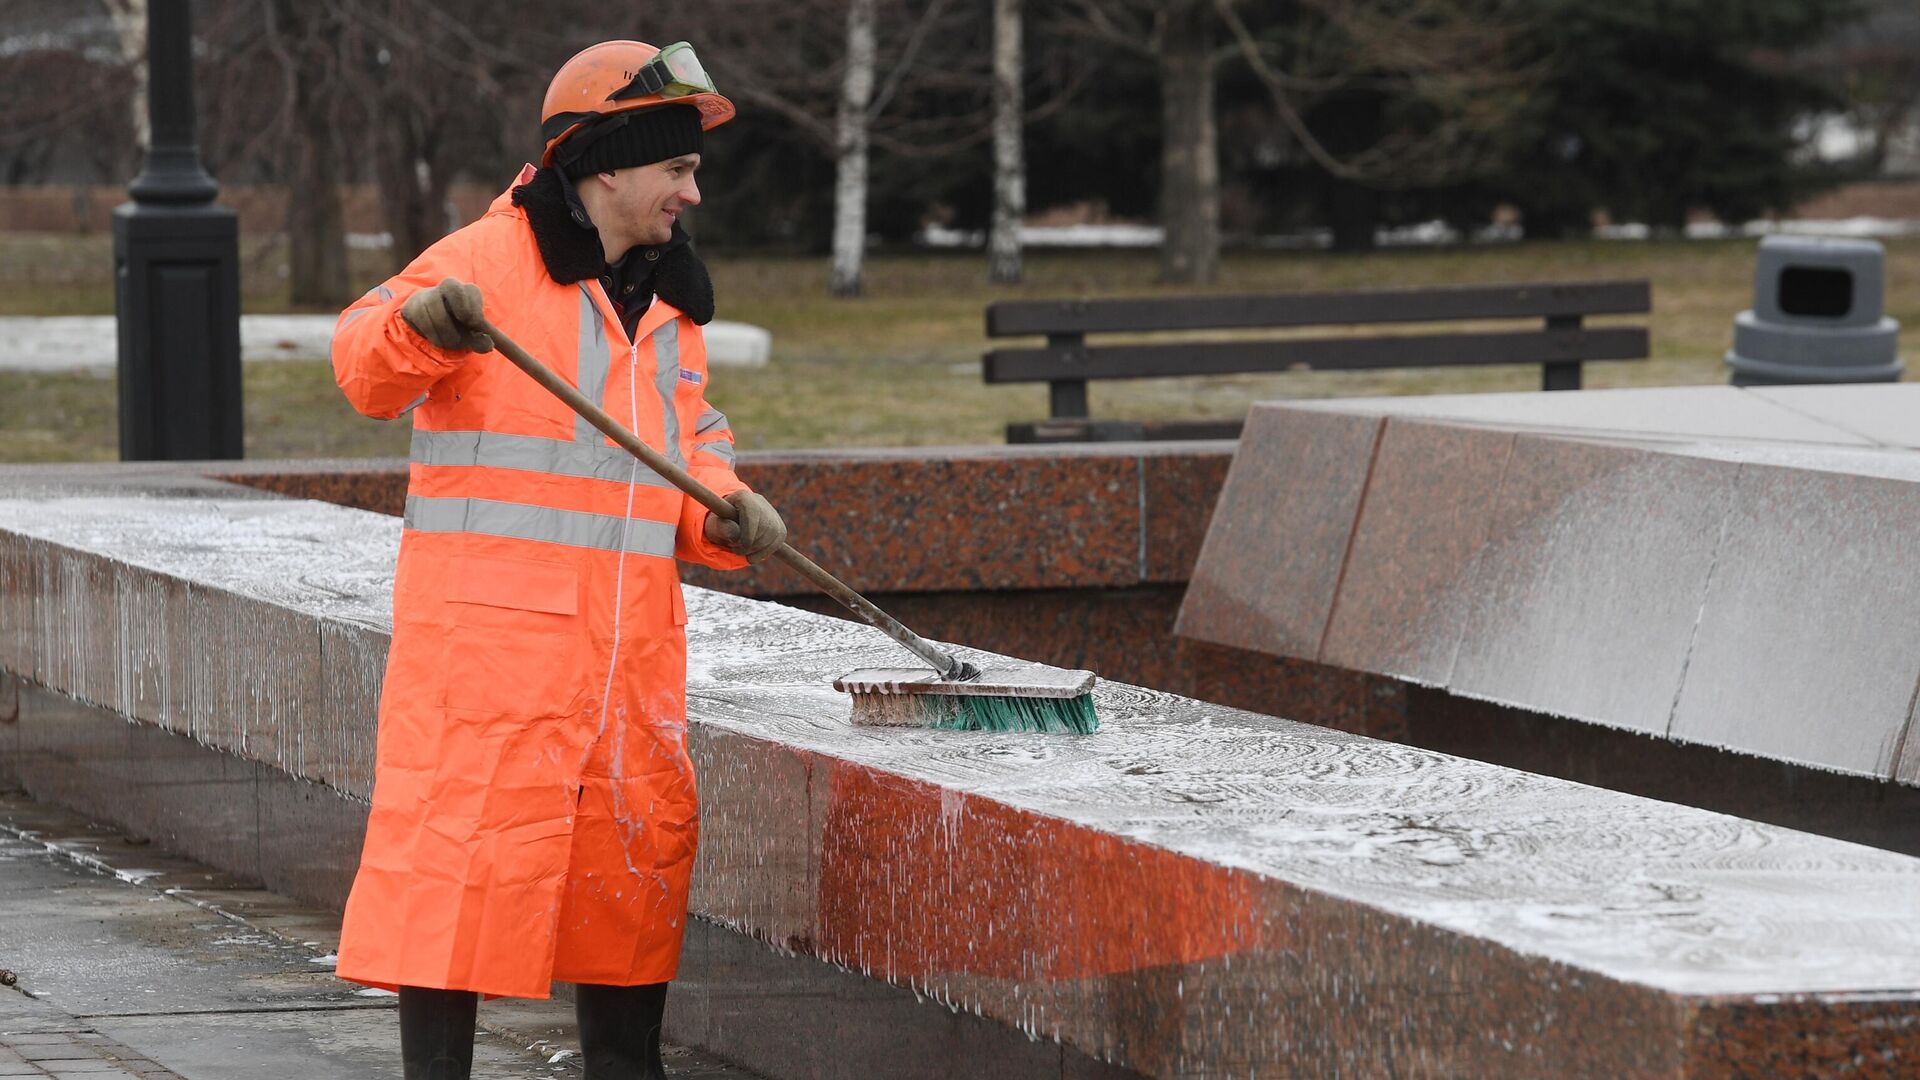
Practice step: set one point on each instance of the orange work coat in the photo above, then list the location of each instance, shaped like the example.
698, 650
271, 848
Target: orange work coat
534, 815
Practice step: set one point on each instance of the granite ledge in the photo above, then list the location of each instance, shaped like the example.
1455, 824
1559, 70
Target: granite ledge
1326, 883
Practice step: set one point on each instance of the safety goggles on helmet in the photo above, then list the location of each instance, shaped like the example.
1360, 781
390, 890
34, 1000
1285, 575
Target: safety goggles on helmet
673, 72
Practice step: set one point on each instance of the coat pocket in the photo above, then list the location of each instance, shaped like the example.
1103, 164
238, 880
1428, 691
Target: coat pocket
520, 584
518, 643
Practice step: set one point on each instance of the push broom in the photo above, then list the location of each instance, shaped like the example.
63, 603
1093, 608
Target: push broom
955, 694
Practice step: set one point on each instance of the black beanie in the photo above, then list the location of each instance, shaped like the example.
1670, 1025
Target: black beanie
627, 139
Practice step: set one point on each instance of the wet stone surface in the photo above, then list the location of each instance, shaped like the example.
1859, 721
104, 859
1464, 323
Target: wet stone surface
1195, 890
131, 959
1722, 567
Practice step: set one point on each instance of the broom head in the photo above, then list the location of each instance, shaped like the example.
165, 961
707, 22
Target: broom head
1006, 699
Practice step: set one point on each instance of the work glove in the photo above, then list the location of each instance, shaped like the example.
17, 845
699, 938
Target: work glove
448, 315
757, 531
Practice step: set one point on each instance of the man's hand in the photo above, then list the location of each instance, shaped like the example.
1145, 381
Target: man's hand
448, 315
757, 532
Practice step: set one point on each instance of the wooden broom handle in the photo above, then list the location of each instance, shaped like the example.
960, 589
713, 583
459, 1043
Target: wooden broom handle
945, 663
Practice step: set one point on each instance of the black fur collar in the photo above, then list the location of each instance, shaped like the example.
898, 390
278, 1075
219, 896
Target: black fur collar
570, 247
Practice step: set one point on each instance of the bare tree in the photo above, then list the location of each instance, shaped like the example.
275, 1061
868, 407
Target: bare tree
1447, 60
1009, 159
63, 89
850, 151
421, 122
855, 77
1176, 36
1452, 58
1189, 146
129, 19
1876, 63
303, 40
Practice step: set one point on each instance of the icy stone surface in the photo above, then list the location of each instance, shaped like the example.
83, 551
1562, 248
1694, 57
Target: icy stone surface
1682, 413
1548, 867
1673, 897
1283, 889
1719, 566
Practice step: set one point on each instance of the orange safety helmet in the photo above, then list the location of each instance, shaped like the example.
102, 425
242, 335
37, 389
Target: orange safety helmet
624, 76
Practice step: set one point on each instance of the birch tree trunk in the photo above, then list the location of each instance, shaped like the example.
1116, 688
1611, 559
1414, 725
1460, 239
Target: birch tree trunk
1009, 159
850, 159
1189, 153
129, 18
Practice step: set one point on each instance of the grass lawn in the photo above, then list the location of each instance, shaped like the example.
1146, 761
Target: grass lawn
901, 365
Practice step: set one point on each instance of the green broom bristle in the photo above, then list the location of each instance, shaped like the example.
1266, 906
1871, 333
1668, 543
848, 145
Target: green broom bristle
1059, 715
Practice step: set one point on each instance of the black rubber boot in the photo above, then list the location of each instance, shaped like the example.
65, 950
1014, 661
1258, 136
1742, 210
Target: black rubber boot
620, 1030
436, 1033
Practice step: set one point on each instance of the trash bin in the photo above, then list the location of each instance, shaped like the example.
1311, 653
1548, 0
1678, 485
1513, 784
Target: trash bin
1818, 316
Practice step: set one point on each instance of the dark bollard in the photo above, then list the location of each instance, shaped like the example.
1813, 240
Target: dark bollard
176, 277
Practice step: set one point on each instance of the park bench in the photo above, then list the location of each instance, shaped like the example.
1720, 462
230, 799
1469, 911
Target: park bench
1066, 363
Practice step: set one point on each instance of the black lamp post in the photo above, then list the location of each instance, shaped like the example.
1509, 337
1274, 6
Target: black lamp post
176, 263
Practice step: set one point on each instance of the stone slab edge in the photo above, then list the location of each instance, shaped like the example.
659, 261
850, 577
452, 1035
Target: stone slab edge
1285, 614
1095, 1001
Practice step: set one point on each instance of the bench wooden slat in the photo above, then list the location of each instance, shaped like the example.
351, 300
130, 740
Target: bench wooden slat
1010, 318
1311, 354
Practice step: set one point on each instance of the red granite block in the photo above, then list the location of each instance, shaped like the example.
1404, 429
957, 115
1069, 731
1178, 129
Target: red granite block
1870, 1036
1190, 890
1341, 990
1585, 601
77, 650
1805, 648
1181, 488
759, 838
253, 676
1403, 600
942, 522
18, 596
381, 489
338, 747
1331, 697
994, 518
1271, 564
1159, 962
144, 602
928, 884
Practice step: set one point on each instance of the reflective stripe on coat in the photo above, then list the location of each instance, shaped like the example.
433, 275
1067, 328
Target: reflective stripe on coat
534, 814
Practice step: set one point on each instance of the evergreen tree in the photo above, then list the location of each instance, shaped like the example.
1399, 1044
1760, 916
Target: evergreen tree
1652, 109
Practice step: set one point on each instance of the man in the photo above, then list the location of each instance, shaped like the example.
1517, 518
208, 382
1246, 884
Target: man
533, 807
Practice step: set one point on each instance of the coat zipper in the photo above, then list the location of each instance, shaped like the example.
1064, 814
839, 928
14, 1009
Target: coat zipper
632, 481
620, 562
617, 754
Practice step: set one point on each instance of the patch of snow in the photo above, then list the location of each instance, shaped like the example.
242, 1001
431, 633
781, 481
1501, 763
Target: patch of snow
90, 342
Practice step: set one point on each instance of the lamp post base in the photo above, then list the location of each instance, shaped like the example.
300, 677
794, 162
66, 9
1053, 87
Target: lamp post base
177, 293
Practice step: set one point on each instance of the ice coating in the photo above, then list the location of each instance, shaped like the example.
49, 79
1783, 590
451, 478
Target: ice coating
1664, 895
1721, 567
1652, 895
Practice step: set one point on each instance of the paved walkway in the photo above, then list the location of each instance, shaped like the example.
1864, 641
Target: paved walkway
118, 960
91, 342
75, 1051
